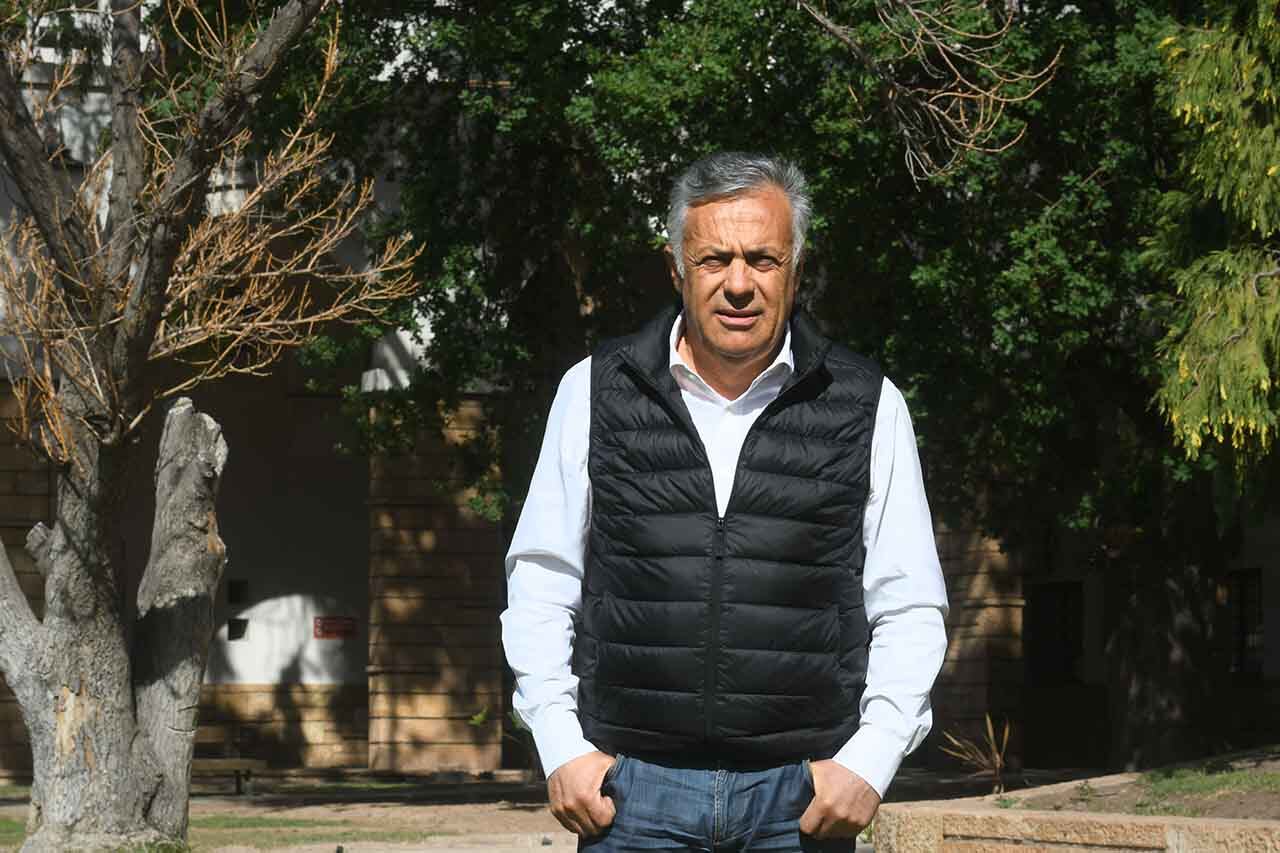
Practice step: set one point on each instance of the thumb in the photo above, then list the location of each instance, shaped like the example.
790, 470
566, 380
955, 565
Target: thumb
603, 811
811, 820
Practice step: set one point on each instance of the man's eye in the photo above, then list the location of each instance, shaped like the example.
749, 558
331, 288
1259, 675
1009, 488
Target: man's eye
710, 263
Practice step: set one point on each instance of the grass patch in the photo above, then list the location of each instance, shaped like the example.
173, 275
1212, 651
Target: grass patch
256, 832
1162, 808
12, 832
1006, 802
1191, 782
1165, 787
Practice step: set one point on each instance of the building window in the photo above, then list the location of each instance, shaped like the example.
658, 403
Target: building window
1054, 633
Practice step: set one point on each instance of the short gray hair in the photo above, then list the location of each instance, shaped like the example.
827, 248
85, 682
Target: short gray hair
726, 174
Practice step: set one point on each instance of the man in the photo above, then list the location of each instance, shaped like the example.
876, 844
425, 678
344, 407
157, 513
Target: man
725, 605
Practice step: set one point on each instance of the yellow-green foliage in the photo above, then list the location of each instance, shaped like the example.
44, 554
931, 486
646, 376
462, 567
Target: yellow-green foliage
1219, 237
1225, 91
1223, 358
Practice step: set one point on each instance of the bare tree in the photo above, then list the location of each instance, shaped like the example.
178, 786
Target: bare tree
111, 281
950, 80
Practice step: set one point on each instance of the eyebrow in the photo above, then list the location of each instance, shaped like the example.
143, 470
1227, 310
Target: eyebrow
724, 251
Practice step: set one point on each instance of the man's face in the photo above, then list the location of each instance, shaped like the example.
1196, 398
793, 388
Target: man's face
740, 276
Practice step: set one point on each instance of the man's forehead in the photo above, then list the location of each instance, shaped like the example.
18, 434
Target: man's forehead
766, 206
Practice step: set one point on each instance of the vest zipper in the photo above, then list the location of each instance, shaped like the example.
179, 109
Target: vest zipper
681, 416
713, 642
718, 555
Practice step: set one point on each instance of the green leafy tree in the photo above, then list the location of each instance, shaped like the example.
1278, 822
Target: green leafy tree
1217, 239
1008, 297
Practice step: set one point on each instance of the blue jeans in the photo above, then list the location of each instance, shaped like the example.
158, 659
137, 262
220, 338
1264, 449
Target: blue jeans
714, 811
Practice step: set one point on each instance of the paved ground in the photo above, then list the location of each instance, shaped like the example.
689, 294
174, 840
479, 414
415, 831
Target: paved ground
464, 815
319, 812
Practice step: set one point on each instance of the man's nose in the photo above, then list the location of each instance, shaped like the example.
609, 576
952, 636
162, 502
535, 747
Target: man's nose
739, 286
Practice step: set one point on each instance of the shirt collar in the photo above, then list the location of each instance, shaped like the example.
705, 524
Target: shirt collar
781, 366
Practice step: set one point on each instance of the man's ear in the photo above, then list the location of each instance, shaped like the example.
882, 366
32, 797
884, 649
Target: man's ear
676, 280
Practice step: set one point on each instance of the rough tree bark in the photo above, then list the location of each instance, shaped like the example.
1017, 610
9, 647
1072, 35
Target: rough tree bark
175, 601
105, 773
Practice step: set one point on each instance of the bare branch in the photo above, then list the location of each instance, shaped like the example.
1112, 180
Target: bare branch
961, 80
128, 153
43, 323
46, 191
180, 202
18, 624
253, 277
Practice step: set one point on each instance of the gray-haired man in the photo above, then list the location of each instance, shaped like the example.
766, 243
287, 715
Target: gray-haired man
725, 606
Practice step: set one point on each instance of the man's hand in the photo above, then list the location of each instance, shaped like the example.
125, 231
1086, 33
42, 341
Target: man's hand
576, 801
843, 803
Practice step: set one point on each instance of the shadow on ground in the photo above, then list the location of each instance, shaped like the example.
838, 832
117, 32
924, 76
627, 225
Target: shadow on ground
336, 789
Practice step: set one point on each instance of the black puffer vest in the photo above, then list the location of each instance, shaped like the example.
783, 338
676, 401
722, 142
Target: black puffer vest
740, 638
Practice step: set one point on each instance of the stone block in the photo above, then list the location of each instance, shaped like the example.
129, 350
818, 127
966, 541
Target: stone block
456, 704
15, 458
434, 730
434, 657
445, 540
408, 517
419, 610
976, 826
430, 757
969, 586
466, 636
436, 566
474, 587
454, 679
987, 617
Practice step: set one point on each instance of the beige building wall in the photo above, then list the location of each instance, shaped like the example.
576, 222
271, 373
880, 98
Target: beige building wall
436, 587
292, 725
983, 669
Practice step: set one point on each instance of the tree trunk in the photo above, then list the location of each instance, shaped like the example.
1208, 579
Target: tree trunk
175, 603
111, 763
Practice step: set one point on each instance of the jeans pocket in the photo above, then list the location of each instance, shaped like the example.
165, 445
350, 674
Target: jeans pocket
806, 769
612, 772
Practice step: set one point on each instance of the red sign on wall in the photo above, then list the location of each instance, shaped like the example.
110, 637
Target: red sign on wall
334, 627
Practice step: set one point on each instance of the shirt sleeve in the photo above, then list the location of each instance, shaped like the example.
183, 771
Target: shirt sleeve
905, 599
544, 578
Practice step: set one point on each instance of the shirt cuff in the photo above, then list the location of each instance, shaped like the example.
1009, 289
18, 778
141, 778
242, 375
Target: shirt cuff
874, 755
558, 736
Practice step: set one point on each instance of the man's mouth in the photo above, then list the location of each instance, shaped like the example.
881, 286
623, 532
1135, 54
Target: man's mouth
738, 320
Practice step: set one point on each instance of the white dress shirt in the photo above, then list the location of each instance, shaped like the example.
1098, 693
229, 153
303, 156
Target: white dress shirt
904, 594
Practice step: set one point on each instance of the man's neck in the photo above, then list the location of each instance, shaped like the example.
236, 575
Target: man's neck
730, 379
